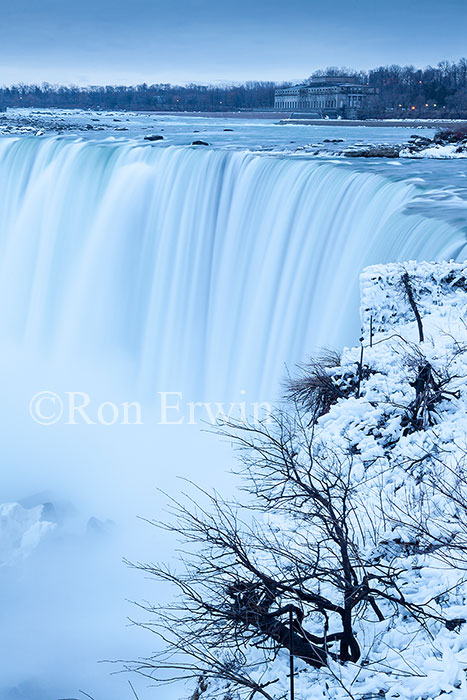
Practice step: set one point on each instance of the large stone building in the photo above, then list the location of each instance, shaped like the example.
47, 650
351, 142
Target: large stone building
325, 96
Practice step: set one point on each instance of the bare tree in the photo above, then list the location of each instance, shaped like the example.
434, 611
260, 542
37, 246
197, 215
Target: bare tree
302, 541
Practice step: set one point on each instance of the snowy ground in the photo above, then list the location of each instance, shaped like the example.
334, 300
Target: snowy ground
396, 471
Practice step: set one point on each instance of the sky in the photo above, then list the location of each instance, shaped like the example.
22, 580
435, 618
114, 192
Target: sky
89, 42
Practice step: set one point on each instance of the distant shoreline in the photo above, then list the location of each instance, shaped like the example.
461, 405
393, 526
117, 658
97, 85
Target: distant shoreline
429, 123
279, 117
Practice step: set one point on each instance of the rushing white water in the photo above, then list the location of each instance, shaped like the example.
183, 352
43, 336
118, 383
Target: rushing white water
202, 270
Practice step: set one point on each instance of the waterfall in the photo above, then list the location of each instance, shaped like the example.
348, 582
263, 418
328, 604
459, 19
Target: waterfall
199, 270
193, 270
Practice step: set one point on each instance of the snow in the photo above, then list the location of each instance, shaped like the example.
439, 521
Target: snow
21, 531
396, 472
438, 288
403, 660
450, 150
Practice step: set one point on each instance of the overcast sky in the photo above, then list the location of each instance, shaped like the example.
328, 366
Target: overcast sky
111, 41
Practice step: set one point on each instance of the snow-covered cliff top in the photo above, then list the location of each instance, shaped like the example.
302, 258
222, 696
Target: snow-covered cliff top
407, 429
439, 288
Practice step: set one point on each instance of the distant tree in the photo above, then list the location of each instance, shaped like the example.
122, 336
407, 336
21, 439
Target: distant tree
358, 76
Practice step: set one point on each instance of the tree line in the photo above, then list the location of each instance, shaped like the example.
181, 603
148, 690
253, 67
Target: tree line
434, 91
166, 97
439, 91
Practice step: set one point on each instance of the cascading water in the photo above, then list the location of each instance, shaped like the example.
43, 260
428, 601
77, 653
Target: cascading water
202, 270
193, 270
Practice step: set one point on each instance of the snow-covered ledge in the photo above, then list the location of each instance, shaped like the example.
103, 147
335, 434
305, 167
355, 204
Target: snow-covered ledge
384, 299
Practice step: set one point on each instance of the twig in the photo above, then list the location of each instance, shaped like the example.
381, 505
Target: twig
134, 691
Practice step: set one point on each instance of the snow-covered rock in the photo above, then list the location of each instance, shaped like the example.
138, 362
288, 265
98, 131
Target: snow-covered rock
21, 530
446, 151
447, 143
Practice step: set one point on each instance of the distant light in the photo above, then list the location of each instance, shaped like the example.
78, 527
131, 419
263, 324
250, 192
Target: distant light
412, 107
400, 105
426, 104
420, 82
435, 105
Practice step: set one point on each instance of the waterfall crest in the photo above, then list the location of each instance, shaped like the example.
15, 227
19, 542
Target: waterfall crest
203, 270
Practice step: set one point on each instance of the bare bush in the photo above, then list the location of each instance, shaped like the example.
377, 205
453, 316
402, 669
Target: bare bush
322, 381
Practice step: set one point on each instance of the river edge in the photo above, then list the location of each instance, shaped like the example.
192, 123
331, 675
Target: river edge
412, 123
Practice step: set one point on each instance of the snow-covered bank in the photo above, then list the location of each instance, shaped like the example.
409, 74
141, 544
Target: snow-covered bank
416, 453
396, 427
401, 659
